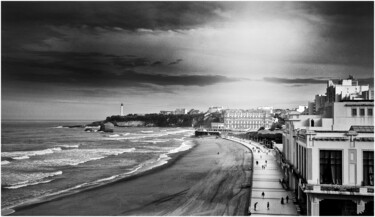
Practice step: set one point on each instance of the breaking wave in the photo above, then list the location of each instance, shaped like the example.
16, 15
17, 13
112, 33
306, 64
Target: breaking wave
20, 155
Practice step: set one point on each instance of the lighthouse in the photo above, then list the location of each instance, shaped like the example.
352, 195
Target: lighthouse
122, 109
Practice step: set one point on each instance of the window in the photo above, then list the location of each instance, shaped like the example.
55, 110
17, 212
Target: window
362, 112
354, 112
368, 168
369, 112
330, 167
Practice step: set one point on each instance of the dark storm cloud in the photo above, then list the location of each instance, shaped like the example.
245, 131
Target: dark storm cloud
125, 15
298, 82
95, 70
175, 62
348, 30
156, 63
294, 80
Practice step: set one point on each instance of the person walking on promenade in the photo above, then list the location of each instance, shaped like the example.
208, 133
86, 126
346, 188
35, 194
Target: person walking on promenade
282, 200
268, 205
266, 161
263, 194
287, 199
255, 206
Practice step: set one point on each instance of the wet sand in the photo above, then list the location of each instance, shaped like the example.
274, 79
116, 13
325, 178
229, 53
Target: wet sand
204, 181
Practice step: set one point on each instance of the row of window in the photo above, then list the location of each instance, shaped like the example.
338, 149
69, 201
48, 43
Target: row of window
244, 127
362, 112
331, 167
244, 122
243, 116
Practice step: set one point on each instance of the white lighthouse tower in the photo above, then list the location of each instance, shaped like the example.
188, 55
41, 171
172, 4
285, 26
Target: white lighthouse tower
122, 109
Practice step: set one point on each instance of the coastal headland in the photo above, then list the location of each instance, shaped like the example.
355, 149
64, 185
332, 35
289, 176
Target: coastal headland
207, 180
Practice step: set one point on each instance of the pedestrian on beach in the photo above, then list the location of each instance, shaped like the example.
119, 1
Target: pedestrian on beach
266, 161
268, 205
257, 162
282, 200
287, 199
263, 194
255, 206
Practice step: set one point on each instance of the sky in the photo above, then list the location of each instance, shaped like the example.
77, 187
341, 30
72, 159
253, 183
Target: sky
81, 60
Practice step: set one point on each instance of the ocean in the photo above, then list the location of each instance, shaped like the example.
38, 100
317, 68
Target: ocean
41, 160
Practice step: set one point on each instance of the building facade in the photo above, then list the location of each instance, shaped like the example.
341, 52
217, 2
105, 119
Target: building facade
217, 126
214, 109
167, 112
328, 159
180, 111
247, 120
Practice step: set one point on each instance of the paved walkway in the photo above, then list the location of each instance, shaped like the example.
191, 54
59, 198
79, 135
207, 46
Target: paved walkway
267, 181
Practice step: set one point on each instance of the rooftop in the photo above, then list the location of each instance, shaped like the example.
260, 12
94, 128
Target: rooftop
362, 129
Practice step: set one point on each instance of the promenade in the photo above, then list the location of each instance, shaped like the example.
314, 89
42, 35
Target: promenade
267, 180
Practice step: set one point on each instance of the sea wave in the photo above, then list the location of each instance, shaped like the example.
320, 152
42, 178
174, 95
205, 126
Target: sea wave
34, 179
60, 127
69, 146
183, 147
74, 157
20, 155
4, 162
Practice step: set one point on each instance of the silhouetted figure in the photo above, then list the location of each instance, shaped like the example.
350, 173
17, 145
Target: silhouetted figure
287, 199
257, 162
266, 161
263, 195
255, 206
268, 205
282, 200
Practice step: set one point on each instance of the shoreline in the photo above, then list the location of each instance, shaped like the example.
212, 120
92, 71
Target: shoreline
203, 180
48, 198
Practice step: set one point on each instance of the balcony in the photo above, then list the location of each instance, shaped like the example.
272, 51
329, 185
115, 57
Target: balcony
338, 189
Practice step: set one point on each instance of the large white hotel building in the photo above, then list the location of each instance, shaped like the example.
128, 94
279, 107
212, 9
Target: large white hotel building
247, 120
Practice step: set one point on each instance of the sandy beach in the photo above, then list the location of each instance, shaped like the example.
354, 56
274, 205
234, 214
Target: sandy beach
204, 181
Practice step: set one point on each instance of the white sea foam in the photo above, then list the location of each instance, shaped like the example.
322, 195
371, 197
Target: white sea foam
60, 127
182, 147
4, 162
69, 146
147, 131
20, 155
7, 211
28, 184
35, 179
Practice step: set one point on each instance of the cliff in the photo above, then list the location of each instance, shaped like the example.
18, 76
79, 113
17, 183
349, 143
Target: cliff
160, 120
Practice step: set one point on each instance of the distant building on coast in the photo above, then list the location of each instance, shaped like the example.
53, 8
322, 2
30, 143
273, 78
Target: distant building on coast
269, 108
180, 111
167, 112
193, 112
247, 120
217, 126
214, 109
328, 158
301, 108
